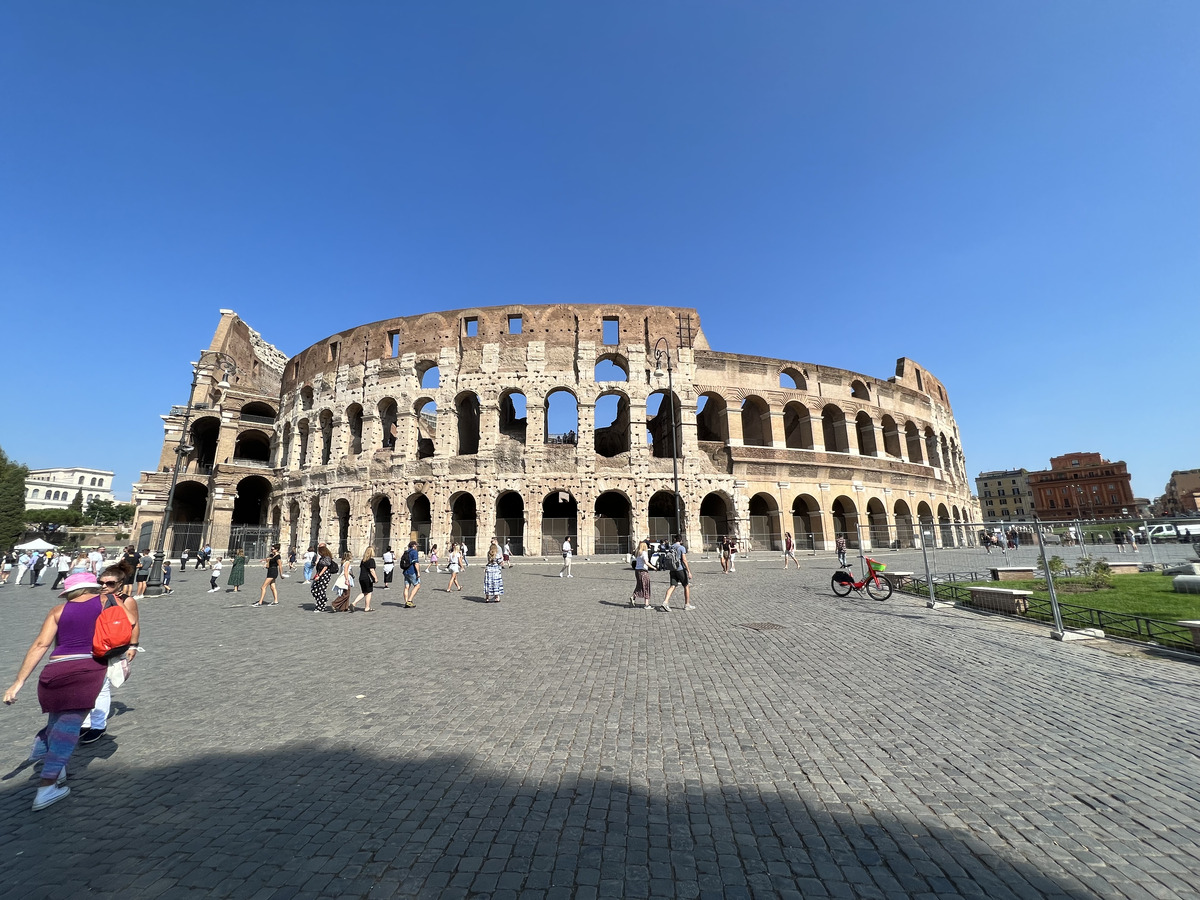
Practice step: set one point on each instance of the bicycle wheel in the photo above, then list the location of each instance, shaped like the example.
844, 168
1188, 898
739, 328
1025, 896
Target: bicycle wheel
880, 591
840, 588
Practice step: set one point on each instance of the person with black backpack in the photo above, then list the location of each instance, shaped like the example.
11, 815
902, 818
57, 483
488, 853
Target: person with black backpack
410, 565
681, 574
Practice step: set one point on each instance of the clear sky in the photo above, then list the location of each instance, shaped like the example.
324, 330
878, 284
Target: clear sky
1008, 193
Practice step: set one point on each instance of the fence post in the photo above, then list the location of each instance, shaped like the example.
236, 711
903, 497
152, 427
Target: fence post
1058, 632
932, 603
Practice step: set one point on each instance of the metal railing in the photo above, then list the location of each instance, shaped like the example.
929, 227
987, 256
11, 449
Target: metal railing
257, 420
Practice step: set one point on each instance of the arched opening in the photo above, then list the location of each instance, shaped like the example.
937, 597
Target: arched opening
326, 436
381, 536
354, 425
833, 429
891, 437
420, 521
426, 411
466, 405
904, 526
806, 522
925, 523
712, 423
276, 519
859, 391
959, 531
464, 525
188, 515
341, 509
314, 522
510, 521
765, 533
912, 439
302, 432
562, 418
429, 376
865, 427
611, 367
258, 412
514, 422
205, 432
947, 462
252, 447
560, 515
612, 424
756, 422
877, 523
714, 520
251, 501
614, 517
389, 416
659, 435
661, 511
797, 426
931, 448
285, 451
792, 379
293, 536
845, 520
945, 527
306, 397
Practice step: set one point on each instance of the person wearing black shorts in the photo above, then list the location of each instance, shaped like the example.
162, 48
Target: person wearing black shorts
366, 578
273, 562
680, 577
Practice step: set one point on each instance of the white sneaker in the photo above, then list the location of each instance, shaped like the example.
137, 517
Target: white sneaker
560, 575
51, 793
570, 576
689, 606
666, 608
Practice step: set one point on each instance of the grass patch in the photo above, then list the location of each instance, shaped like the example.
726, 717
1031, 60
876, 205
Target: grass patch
1147, 594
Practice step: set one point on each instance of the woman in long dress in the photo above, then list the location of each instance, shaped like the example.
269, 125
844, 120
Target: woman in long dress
493, 576
322, 572
237, 571
641, 572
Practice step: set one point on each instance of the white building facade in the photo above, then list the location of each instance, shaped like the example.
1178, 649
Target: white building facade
56, 488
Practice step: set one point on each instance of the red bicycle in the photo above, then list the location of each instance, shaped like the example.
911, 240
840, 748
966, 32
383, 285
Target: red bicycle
877, 586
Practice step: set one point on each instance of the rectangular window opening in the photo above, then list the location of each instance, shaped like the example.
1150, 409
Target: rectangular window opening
612, 330
920, 380
471, 327
333, 351
393, 344
514, 324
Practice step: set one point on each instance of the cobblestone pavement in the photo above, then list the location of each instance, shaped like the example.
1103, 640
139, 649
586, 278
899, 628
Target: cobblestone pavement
562, 744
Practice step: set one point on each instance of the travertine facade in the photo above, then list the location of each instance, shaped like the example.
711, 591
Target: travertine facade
437, 426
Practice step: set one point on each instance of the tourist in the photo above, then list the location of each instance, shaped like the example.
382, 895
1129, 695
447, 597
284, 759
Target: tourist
389, 566
733, 553
1119, 539
272, 562
130, 558
68, 685
63, 567
183, 558
10, 561
641, 576
214, 573
840, 545
566, 566
343, 584
493, 575
291, 559
681, 574
310, 560
507, 554
1132, 539
366, 578
789, 550
454, 562
38, 565
143, 575
97, 558
433, 560
410, 564
23, 563
81, 563
166, 584
321, 573
237, 571
95, 724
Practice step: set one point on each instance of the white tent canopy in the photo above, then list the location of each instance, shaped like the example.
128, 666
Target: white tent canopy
37, 544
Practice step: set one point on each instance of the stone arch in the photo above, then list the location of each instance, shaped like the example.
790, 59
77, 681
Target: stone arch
715, 512
765, 531
612, 425
756, 422
859, 390
466, 405
464, 521
613, 523
877, 523
206, 432
864, 427
946, 458
833, 428
252, 499
661, 512
190, 505
924, 513
293, 538
306, 397
931, 448
341, 511
314, 521
891, 437
514, 421
560, 521
258, 409
510, 521
425, 410
389, 415
912, 437
712, 422
562, 417
904, 525
791, 378
845, 520
326, 422
420, 520
658, 425
285, 451
354, 427
429, 376
797, 426
302, 431
944, 526
806, 522
611, 367
381, 524
253, 446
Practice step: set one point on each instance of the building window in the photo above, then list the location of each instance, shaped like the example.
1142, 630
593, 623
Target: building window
989, 503
333, 351
611, 330
1001, 492
393, 344
471, 326
514, 324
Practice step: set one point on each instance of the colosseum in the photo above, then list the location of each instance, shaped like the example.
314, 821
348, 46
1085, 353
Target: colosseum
539, 423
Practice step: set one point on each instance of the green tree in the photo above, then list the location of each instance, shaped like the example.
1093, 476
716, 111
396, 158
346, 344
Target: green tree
12, 501
77, 504
101, 512
124, 512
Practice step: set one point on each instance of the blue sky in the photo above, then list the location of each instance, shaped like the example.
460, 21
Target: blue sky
1007, 193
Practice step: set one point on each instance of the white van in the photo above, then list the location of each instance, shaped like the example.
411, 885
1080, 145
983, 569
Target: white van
1161, 533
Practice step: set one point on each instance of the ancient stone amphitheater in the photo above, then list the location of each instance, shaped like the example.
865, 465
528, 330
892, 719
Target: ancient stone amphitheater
538, 423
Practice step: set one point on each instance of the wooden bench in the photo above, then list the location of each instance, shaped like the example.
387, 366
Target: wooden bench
1003, 600
1013, 573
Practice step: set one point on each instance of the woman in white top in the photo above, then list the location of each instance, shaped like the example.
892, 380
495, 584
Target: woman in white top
566, 567
454, 563
642, 570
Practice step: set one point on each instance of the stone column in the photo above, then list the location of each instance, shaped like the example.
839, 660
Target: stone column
773, 430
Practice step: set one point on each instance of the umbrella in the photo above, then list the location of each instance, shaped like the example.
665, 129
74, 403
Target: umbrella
37, 544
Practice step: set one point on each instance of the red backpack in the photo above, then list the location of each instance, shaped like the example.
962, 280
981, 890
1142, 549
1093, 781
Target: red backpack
114, 632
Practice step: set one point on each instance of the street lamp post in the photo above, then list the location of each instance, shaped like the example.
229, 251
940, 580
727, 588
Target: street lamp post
154, 587
659, 356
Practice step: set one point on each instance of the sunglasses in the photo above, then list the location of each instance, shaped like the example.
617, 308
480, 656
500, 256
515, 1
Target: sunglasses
109, 583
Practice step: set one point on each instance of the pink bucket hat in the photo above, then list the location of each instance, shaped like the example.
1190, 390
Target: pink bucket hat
79, 580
